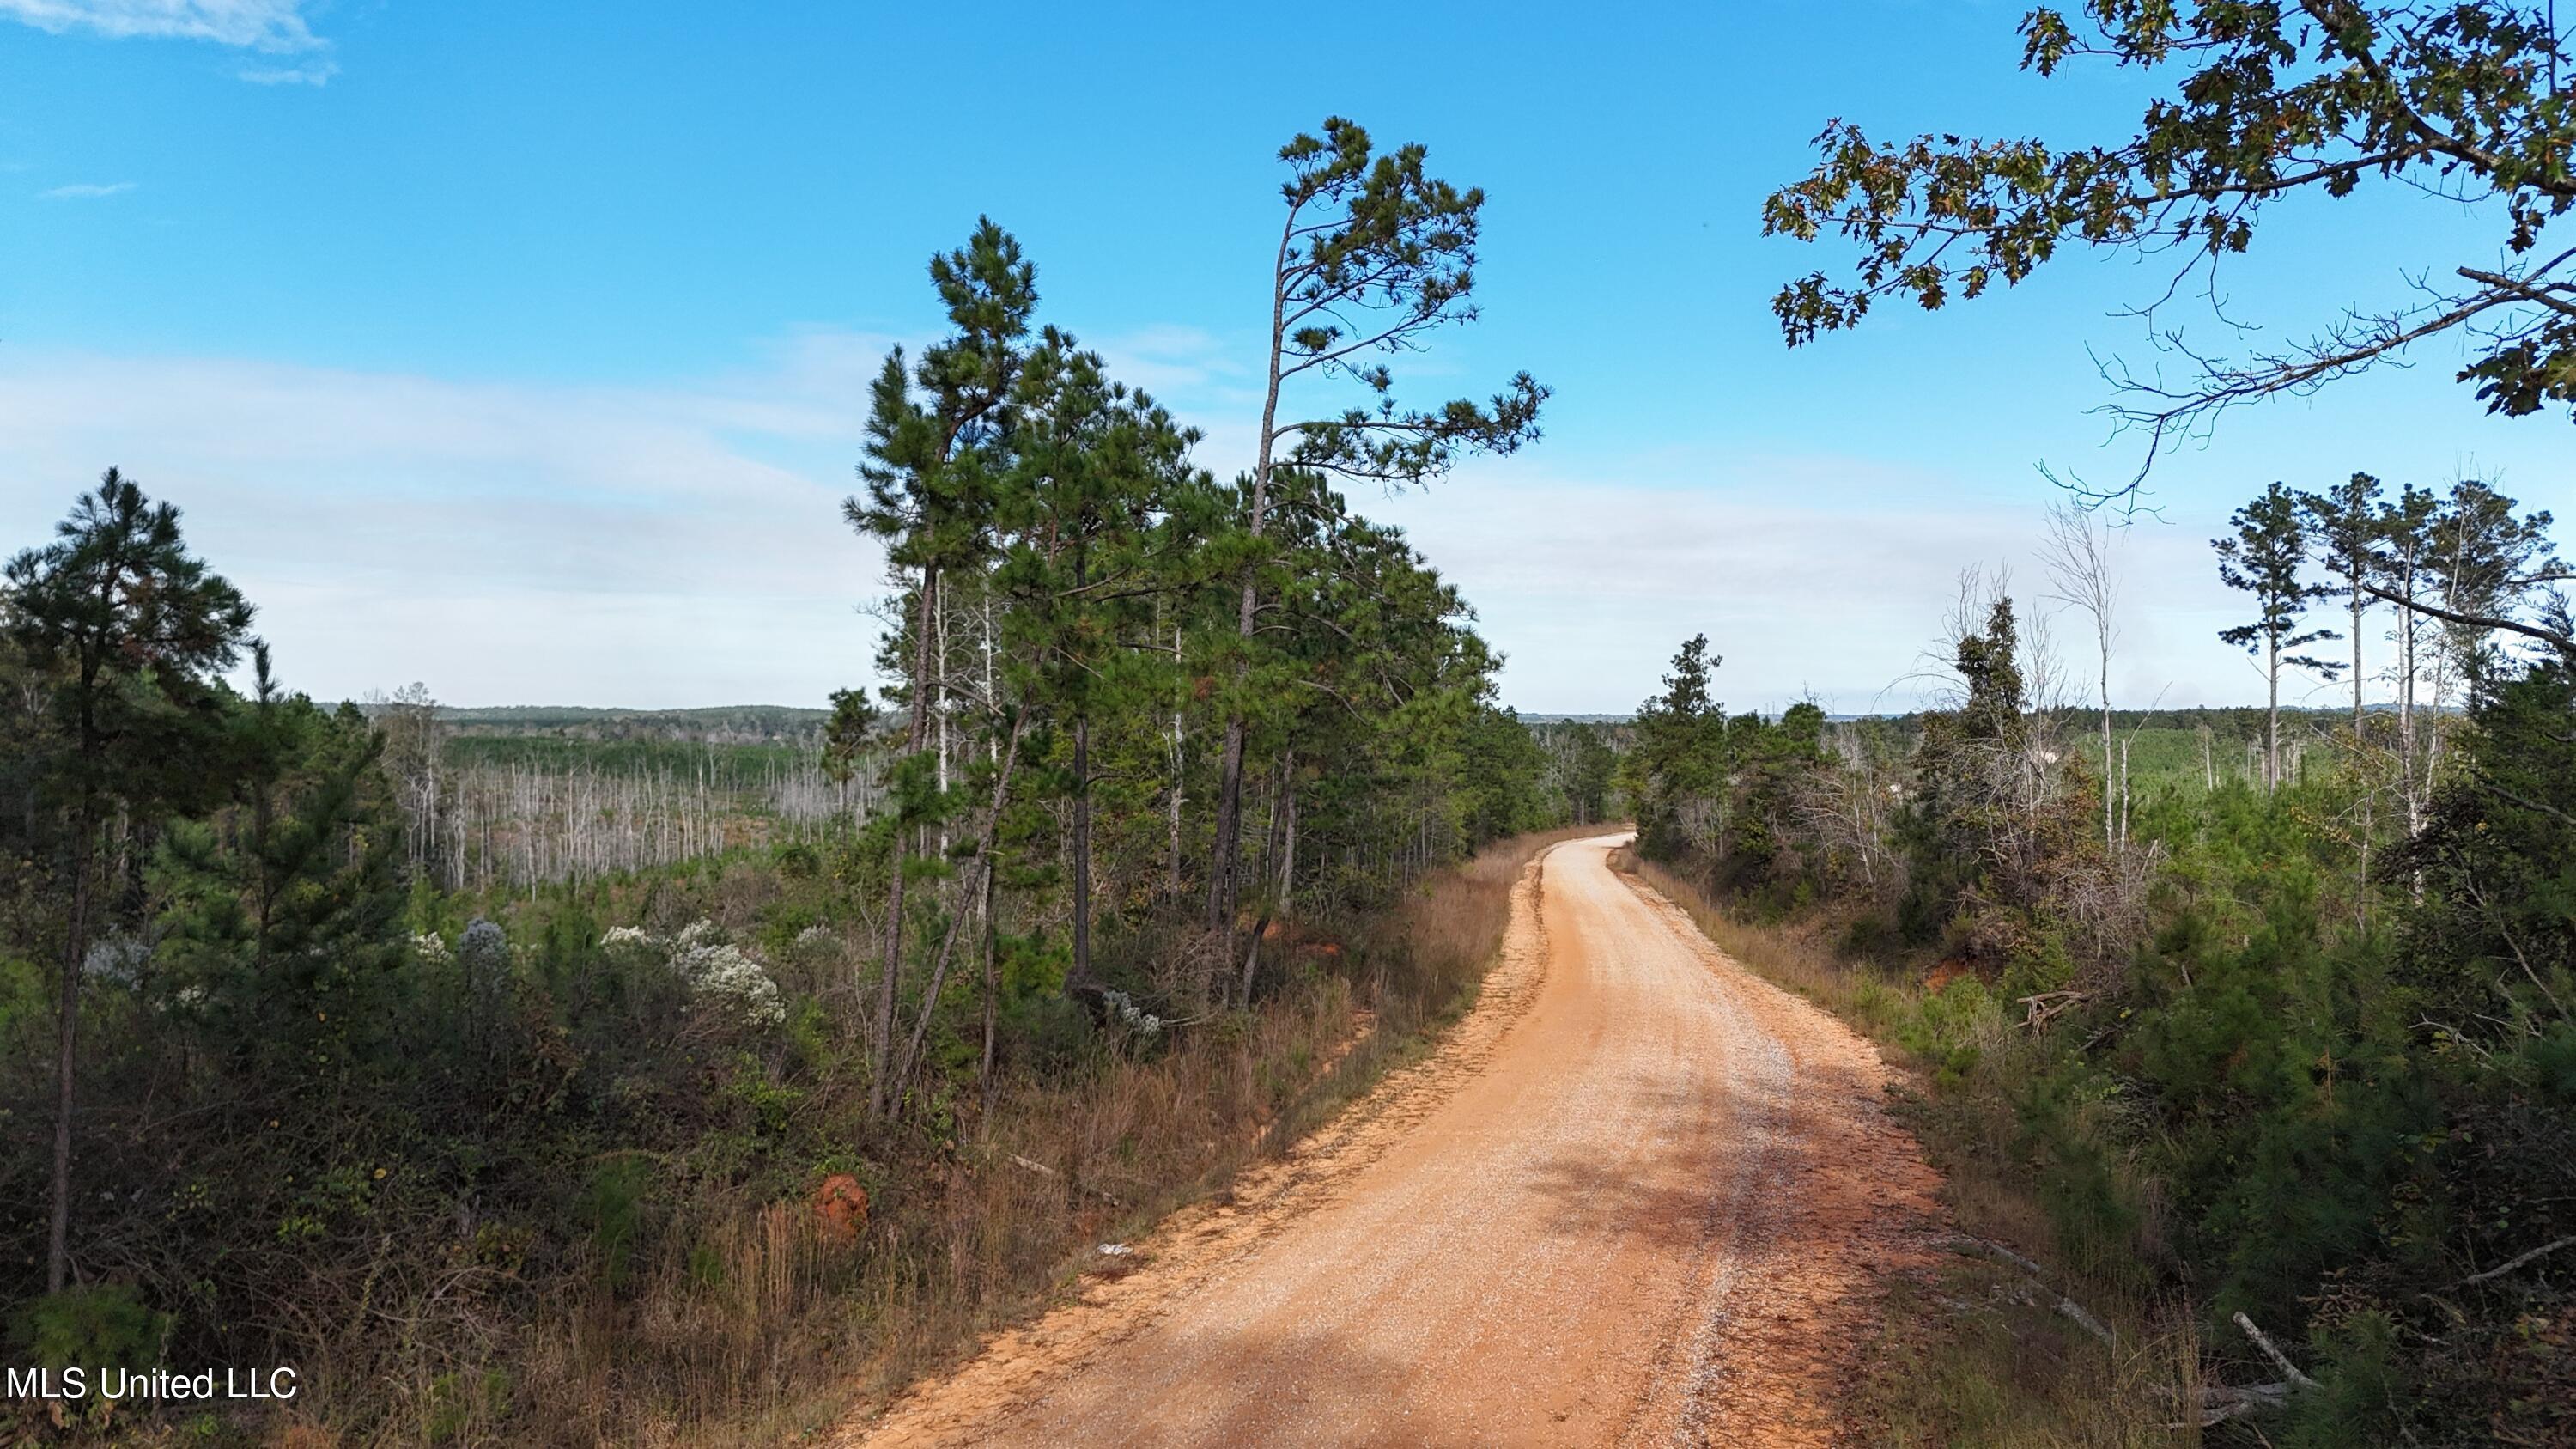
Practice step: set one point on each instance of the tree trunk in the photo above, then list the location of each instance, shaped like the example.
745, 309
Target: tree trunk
1288, 854
67, 1020
948, 939
939, 715
1080, 976
2272, 730
2123, 841
1229, 795
1180, 763
892, 965
2108, 833
992, 996
1229, 822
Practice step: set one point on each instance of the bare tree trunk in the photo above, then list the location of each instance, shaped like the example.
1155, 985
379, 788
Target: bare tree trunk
948, 939
2407, 625
2109, 834
2125, 802
2272, 731
1288, 855
992, 995
883, 1046
1229, 795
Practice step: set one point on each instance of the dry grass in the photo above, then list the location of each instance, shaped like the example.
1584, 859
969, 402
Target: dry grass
759, 1328
1981, 1356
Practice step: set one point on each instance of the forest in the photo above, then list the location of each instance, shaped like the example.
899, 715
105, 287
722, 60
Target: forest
2286, 1042
565, 1075
556, 1075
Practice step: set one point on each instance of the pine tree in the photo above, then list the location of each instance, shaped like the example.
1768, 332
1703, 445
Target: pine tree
938, 436
2344, 526
2400, 575
125, 628
280, 907
2264, 559
1102, 518
1374, 254
1676, 771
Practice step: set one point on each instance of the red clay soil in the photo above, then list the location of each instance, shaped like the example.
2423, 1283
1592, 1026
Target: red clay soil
1637, 1196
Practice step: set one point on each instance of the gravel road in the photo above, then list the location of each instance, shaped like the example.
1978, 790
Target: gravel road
1637, 1196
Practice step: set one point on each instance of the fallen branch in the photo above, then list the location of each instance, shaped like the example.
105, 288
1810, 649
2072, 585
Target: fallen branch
2216, 1403
2048, 1005
2073, 1311
2543, 1251
2279, 1359
1043, 1170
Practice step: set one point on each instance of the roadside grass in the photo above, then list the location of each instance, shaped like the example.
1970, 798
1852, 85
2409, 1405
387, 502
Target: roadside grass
758, 1330
1980, 1355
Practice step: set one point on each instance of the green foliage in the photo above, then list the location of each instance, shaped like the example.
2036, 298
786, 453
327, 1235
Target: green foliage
2227, 1066
95, 1326
1675, 770
2264, 558
1377, 251
611, 1211
370, 1047
2263, 104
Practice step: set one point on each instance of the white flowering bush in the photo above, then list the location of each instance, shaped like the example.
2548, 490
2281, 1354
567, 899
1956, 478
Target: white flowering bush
430, 949
717, 972
723, 974
1135, 1018
118, 959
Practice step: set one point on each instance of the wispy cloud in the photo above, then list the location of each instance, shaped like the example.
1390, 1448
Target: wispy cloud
269, 27
86, 190
681, 543
586, 544
1814, 573
312, 73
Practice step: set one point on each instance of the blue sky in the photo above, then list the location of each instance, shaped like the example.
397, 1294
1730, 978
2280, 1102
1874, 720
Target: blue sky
519, 349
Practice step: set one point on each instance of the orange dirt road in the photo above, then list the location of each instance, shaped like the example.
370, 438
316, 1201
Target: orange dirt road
1637, 1196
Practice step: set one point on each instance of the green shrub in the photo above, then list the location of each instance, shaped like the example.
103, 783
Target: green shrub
95, 1326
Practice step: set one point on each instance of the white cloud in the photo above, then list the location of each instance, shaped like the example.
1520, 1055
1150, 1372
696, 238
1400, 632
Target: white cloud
503, 542
1810, 574
681, 544
311, 73
271, 25
86, 190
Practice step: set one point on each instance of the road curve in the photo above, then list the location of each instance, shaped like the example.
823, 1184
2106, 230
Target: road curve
1639, 1196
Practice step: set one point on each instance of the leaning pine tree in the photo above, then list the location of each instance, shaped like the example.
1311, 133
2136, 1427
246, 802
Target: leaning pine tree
1374, 254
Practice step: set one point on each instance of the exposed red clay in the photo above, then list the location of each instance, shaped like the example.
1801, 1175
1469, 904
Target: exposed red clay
1637, 1196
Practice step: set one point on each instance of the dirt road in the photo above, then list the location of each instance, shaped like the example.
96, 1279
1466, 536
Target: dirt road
1639, 1196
